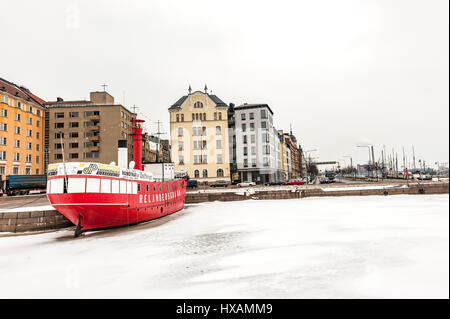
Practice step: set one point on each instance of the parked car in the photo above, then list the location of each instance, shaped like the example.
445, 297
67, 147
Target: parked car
275, 183
294, 182
323, 180
245, 184
192, 183
219, 184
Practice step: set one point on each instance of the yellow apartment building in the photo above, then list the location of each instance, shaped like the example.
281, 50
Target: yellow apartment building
22, 122
199, 136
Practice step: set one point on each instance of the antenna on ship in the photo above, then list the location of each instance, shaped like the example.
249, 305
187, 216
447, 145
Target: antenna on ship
64, 162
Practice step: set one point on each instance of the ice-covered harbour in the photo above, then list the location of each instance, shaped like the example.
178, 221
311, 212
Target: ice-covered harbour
337, 247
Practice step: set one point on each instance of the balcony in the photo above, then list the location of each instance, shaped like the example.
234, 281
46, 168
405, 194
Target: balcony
94, 117
94, 138
94, 149
94, 128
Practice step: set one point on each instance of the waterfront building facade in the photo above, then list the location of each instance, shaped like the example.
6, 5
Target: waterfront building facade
22, 118
88, 130
258, 155
199, 136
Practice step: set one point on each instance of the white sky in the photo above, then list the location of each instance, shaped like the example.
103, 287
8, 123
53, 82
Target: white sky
342, 72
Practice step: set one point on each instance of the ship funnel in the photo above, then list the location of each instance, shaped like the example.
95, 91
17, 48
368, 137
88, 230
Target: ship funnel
122, 156
137, 143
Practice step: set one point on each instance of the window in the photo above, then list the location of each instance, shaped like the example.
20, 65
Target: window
105, 185
37, 147
59, 135
2, 155
73, 114
73, 155
16, 130
253, 138
37, 160
180, 146
252, 126
263, 114
38, 113
198, 105
219, 144
219, 159
29, 120
17, 104
196, 173
263, 124
38, 123
2, 170
218, 130
253, 162
180, 131
16, 157
2, 140
29, 109
59, 115
252, 116
245, 162
37, 135
205, 173
73, 134
220, 116
59, 125
29, 133
177, 117
220, 172
253, 150
90, 113
58, 146
181, 160
16, 143
244, 127
15, 170
29, 146
92, 185
58, 156
245, 151
3, 127
215, 116
28, 158
4, 113
91, 155
4, 99
204, 116
17, 117
76, 185
244, 139
265, 137
182, 117
73, 124
204, 159
243, 116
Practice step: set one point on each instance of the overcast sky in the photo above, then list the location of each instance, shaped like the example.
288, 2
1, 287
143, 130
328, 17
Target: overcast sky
341, 72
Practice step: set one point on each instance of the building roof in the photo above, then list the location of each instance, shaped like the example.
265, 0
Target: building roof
181, 100
54, 103
19, 91
252, 106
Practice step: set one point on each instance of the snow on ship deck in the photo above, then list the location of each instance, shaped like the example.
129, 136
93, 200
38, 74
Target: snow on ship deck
337, 247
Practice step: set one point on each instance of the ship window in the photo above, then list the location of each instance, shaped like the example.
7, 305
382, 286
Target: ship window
167, 187
160, 187
57, 186
115, 186
134, 187
123, 187
93, 185
77, 185
106, 185
128, 187
139, 187
147, 188
154, 188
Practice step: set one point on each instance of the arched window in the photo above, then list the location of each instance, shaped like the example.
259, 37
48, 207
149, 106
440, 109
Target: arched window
220, 172
205, 173
198, 105
196, 173
182, 117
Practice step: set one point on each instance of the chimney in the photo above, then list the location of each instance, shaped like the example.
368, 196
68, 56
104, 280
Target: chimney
122, 156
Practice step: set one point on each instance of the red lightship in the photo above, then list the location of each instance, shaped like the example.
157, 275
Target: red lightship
97, 196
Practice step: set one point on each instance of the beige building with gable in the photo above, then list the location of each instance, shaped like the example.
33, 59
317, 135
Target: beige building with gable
199, 136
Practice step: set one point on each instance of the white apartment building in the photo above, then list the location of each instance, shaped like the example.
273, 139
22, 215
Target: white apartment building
257, 144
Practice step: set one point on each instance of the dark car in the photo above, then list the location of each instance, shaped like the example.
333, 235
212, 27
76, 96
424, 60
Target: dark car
192, 183
219, 184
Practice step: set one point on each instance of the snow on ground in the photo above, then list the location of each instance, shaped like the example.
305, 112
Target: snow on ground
337, 247
27, 209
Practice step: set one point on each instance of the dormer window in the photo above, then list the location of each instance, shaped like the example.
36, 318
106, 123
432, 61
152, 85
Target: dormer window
198, 105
